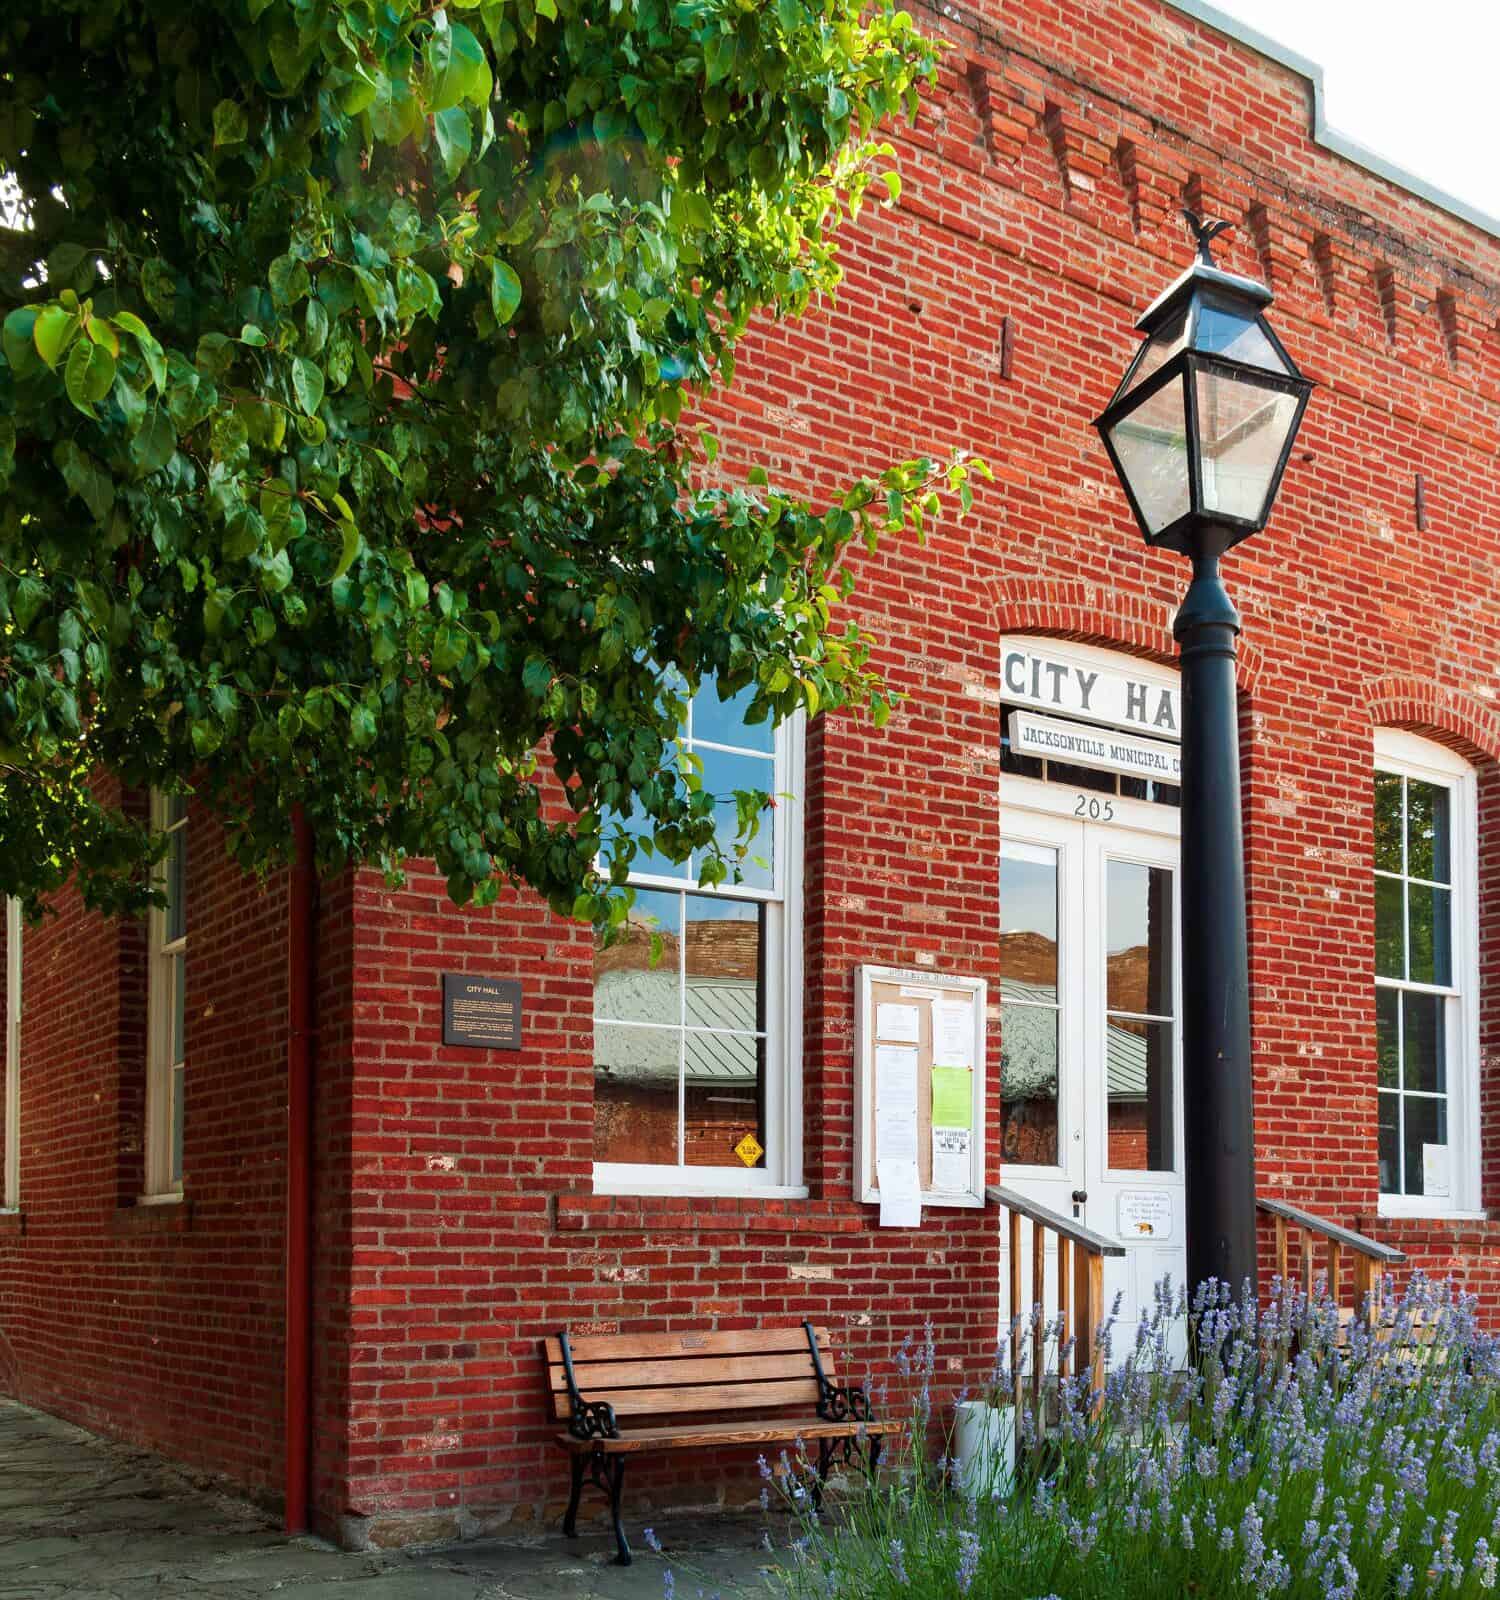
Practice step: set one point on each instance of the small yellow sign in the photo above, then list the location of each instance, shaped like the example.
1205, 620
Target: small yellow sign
749, 1150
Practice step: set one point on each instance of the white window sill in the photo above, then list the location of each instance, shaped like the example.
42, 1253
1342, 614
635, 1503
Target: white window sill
1399, 1209
694, 1188
159, 1199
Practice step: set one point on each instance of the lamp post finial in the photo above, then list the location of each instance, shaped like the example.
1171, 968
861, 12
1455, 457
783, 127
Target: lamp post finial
1205, 230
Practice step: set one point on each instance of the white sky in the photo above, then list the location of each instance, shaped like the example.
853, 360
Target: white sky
1413, 83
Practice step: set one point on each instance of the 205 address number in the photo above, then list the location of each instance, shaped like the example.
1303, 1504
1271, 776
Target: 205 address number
1095, 809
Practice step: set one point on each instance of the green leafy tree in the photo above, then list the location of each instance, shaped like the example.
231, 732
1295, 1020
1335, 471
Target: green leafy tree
342, 467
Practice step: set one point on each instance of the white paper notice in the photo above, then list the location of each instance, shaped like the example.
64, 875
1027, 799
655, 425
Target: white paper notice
896, 1103
900, 1197
952, 1036
950, 1160
1435, 1178
897, 1023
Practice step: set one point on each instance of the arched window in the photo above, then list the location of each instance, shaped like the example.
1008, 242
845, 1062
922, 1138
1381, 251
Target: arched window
1426, 976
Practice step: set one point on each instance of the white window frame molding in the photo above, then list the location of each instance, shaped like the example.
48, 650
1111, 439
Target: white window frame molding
1409, 755
10, 1187
781, 1178
160, 1186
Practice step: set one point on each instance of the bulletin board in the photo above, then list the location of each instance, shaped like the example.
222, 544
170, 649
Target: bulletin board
913, 1019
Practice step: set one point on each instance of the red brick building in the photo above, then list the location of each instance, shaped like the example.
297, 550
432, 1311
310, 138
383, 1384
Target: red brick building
466, 1201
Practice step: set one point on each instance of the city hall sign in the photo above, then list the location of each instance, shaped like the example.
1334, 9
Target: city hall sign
1080, 687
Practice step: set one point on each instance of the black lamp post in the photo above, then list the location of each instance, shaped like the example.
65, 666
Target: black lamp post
1199, 432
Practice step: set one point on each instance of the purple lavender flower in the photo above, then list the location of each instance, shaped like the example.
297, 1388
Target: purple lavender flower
968, 1559
898, 1561
652, 1542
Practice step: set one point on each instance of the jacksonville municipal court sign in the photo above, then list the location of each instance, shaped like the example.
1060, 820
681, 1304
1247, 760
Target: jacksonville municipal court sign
1120, 717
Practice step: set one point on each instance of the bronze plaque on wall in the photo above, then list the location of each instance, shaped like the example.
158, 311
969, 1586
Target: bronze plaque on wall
481, 1012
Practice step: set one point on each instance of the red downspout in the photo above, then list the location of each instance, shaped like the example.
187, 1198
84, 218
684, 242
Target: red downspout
301, 964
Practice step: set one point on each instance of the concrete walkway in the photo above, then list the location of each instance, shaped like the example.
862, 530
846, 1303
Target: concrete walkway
87, 1519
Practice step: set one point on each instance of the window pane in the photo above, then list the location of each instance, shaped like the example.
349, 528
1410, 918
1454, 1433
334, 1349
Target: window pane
1028, 1084
1423, 1043
1426, 1124
1028, 925
1088, 778
635, 1094
1151, 443
178, 1096
725, 1098
176, 880
1243, 429
638, 979
1138, 911
639, 826
1390, 960
1139, 1067
1241, 338
725, 986
1388, 1037
1388, 822
1429, 829
178, 971
1430, 940
1390, 1144
1165, 343
723, 775
723, 721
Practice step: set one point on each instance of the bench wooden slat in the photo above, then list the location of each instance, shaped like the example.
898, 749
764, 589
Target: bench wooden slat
726, 1433
612, 1375
664, 1346
710, 1397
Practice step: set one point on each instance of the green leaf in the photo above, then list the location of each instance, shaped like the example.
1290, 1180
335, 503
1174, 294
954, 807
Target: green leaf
231, 126
53, 333
455, 139
349, 533
505, 291
86, 478
456, 69
289, 280
18, 339
244, 534
90, 375
307, 384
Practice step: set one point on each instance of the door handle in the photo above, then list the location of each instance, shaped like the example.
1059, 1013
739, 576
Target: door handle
1080, 1199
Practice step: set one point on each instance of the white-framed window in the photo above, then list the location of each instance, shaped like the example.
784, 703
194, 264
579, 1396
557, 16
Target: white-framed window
1426, 976
166, 1005
10, 1179
698, 1010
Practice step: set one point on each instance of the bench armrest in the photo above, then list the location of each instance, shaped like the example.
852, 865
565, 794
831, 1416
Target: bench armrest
837, 1402
591, 1419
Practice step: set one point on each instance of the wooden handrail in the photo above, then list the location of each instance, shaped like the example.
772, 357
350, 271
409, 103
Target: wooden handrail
1080, 1294
1370, 1255
1063, 1227
1360, 1243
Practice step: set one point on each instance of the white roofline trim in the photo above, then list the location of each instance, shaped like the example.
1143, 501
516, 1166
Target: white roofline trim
1330, 138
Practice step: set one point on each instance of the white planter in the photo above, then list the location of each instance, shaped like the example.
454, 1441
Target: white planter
984, 1445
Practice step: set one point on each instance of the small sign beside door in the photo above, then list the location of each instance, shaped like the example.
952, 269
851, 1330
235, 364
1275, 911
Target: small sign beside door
1144, 1214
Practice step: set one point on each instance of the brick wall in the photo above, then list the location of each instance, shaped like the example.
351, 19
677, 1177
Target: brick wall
456, 1219
161, 1325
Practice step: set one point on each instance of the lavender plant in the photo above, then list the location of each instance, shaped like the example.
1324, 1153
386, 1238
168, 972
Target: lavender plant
1290, 1455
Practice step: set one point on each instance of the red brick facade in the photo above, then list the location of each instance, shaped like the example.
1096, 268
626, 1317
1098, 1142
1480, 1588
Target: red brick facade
992, 310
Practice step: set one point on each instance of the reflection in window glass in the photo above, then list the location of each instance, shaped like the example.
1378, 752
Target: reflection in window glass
1028, 920
1028, 1085
1140, 1033
1415, 1004
682, 1001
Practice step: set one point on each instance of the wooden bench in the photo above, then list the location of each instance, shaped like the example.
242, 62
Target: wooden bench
780, 1380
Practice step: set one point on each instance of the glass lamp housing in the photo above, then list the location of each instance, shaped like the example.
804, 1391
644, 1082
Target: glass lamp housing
1202, 423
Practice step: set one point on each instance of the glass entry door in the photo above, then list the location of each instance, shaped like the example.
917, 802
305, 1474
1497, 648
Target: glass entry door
1091, 1105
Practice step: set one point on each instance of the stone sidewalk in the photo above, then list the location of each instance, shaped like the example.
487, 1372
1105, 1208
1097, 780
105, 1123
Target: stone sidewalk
87, 1519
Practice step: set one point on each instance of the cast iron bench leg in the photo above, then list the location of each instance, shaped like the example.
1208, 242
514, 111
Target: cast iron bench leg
570, 1521
616, 1470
